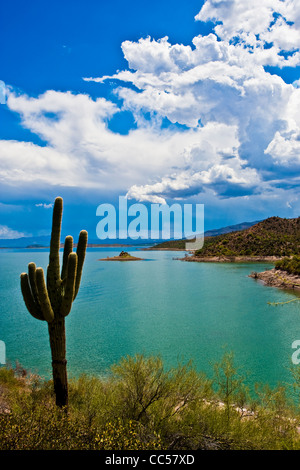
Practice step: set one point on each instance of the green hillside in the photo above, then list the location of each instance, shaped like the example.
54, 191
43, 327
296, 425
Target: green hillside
180, 244
271, 237
169, 245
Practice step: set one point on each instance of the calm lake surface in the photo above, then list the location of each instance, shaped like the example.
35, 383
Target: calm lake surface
164, 306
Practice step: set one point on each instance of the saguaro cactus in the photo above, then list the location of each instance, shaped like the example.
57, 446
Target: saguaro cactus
52, 300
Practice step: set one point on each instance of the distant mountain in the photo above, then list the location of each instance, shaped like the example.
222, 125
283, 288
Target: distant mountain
229, 229
180, 244
24, 242
44, 241
271, 237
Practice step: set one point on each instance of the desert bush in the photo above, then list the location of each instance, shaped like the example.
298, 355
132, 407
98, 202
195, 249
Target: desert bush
140, 404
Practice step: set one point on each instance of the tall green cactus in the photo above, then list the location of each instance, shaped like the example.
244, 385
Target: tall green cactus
52, 300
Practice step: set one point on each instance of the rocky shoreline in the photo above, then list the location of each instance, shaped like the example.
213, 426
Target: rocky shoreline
231, 259
277, 278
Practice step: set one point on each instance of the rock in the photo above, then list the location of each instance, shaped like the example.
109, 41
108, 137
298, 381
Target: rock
276, 278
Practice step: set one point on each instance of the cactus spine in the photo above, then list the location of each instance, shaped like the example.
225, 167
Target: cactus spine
52, 300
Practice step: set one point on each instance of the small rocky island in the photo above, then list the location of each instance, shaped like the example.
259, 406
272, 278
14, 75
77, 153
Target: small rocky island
123, 256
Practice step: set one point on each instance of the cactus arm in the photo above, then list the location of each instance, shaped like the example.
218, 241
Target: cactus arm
68, 248
81, 250
55, 235
43, 296
53, 272
32, 282
70, 285
30, 303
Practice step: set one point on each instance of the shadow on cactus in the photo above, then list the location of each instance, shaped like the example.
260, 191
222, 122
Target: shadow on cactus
51, 300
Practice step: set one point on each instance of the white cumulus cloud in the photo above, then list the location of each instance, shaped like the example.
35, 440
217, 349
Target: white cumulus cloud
208, 115
44, 205
8, 233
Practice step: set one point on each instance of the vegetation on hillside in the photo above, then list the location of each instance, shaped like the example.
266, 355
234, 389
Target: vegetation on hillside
290, 265
169, 245
142, 405
271, 237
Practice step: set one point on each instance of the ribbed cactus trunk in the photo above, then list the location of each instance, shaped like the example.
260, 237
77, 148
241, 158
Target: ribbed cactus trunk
53, 302
57, 337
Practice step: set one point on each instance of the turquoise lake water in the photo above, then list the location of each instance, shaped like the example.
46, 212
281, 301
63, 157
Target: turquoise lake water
164, 306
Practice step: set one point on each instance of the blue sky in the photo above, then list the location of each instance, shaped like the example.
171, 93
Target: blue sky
162, 101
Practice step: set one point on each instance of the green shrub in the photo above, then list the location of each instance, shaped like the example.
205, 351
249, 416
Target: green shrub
141, 405
290, 265
130, 435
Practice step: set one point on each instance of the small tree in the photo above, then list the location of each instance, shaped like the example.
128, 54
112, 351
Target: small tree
52, 300
229, 381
